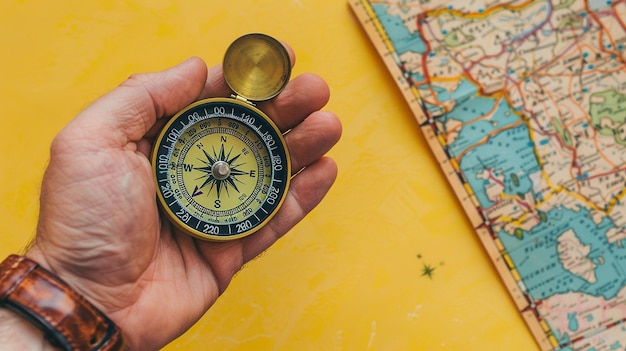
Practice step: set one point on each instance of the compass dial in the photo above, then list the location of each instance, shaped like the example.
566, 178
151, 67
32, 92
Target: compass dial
222, 169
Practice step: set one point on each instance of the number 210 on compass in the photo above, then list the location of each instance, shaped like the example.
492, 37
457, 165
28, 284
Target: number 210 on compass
221, 166
220, 170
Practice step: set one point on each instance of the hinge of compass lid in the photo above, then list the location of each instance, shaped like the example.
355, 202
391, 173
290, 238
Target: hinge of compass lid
241, 98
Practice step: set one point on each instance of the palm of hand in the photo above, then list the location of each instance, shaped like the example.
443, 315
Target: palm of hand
100, 228
114, 243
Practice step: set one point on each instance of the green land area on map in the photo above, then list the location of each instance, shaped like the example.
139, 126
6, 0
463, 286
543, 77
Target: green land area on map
528, 101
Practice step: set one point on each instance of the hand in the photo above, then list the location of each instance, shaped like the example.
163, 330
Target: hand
100, 228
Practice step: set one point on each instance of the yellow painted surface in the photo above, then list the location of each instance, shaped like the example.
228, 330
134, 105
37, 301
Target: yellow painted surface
349, 277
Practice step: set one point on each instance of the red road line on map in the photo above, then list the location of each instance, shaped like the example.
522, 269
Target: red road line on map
467, 75
419, 25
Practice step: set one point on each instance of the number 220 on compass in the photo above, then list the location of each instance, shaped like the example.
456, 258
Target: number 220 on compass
221, 166
222, 171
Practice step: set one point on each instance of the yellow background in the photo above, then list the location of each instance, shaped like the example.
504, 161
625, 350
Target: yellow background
349, 277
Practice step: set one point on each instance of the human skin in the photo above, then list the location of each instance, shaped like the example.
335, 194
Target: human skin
100, 228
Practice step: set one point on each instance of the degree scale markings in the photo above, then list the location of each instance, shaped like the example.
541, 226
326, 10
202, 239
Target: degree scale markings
221, 157
221, 165
255, 177
222, 185
220, 135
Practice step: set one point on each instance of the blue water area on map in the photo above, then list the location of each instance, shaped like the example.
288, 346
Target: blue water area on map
416, 77
572, 321
510, 154
398, 33
563, 339
536, 258
464, 91
469, 111
597, 5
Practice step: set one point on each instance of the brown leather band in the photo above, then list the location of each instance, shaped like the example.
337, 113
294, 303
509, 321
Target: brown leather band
67, 319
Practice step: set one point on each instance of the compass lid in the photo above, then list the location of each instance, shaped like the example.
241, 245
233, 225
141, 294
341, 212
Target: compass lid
256, 67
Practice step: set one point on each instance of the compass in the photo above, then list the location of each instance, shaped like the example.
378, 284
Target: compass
221, 166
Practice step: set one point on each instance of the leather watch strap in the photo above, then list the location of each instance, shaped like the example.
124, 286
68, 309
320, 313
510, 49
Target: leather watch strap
67, 319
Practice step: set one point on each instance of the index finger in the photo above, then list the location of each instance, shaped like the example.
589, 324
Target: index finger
128, 112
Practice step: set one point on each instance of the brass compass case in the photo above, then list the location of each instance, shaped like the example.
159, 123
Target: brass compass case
221, 166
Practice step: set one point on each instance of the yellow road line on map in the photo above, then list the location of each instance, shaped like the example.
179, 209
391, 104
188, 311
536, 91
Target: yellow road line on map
415, 92
615, 201
545, 177
454, 164
548, 331
555, 190
468, 189
516, 275
442, 141
515, 221
381, 31
553, 341
498, 244
508, 260
480, 15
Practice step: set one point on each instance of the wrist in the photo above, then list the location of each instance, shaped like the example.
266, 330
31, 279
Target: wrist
66, 318
16, 333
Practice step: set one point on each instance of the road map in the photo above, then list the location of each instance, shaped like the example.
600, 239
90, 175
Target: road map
524, 105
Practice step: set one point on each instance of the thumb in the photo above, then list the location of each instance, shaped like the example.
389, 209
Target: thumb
126, 113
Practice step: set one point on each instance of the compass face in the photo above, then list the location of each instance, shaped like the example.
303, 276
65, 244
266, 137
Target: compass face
222, 169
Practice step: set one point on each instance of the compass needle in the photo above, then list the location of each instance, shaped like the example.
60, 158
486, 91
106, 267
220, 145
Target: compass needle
233, 159
235, 167
202, 176
231, 181
196, 191
228, 155
236, 172
219, 188
222, 156
210, 159
207, 170
225, 136
239, 181
209, 179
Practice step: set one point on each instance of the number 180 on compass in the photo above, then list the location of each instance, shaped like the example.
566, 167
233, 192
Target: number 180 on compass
222, 169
